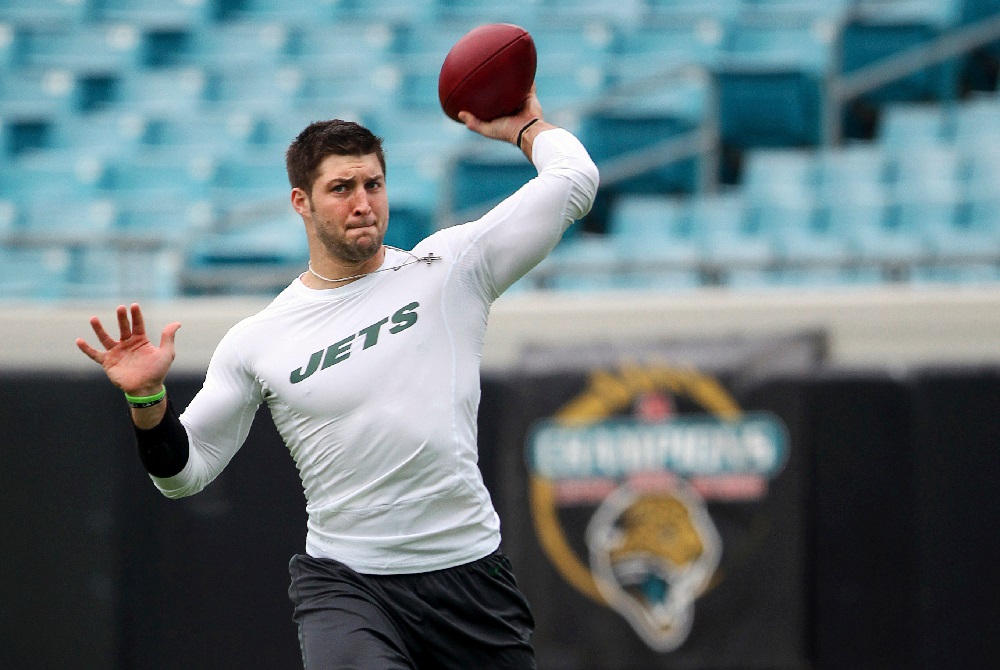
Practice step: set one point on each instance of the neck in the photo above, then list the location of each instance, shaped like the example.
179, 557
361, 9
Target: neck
331, 273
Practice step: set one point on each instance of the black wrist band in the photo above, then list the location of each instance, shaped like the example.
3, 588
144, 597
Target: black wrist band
520, 135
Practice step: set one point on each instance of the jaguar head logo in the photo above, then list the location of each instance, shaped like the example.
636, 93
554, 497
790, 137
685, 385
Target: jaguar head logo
653, 552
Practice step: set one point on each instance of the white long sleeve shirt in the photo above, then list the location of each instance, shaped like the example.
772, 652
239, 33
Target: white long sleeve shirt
374, 386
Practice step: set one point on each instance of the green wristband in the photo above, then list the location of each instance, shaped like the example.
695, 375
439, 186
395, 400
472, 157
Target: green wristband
143, 401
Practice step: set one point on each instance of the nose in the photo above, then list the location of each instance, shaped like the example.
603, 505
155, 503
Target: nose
360, 202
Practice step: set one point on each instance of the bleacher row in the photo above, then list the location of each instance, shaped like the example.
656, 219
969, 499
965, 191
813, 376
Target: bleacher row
920, 203
142, 140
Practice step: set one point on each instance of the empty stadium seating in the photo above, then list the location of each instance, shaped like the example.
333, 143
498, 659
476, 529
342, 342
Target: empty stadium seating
160, 126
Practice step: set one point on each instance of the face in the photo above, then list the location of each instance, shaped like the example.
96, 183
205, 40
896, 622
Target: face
348, 210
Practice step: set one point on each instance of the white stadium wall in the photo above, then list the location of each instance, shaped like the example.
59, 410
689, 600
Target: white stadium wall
886, 327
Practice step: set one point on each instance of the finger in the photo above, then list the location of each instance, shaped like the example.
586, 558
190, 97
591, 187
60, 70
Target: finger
138, 324
102, 335
167, 338
92, 353
470, 121
123, 325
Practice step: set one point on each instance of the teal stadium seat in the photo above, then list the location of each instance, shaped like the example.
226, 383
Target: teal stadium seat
573, 46
805, 236
906, 125
263, 89
977, 120
203, 133
621, 12
156, 14
44, 13
982, 167
345, 45
666, 12
780, 175
851, 210
485, 11
162, 175
250, 179
877, 29
39, 96
84, 50
651, 50
835, 9
232, 46
161, 220
67, 219
654, 229
966, 237
166, 91
586, 263
771, 76
31, 273
100, 272
289, 13
637, 121
934, 211
841, 170
33, 177
730, 234
916, 167
888, 237
483, 175
349, 92
262, 257
409, 12
108, 134
572, 68
10, 47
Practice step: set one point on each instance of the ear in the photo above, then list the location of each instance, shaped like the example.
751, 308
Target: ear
300, 201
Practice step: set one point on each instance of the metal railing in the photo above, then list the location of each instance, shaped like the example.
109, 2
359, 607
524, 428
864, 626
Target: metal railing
842, 88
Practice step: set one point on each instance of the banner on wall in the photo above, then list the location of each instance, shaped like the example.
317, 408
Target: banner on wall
650, 489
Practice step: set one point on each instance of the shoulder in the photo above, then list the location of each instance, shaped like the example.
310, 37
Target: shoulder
259, 324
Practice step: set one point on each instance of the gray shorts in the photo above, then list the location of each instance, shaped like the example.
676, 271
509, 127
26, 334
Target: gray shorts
469, 616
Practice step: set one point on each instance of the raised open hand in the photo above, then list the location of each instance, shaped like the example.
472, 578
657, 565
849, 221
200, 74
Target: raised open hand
131, 362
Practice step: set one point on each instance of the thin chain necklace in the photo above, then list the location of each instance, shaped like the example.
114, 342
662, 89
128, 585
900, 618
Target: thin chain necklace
410, 261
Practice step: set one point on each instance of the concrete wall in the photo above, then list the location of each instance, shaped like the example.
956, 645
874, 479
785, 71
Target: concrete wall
883, 327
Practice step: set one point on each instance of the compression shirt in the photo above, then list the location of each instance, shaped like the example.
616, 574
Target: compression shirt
374, 386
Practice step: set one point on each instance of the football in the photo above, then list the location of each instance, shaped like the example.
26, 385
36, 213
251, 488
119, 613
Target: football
488, 72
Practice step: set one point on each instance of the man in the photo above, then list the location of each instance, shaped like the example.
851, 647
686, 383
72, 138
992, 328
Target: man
369, 363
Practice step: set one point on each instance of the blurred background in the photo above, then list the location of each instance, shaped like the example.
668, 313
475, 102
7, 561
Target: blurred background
769, 168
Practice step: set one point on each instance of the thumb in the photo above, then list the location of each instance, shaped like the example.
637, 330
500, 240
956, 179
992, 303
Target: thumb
169, 332
470, 121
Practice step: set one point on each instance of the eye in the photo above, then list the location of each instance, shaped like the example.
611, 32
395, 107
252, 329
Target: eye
374, 185
338, 188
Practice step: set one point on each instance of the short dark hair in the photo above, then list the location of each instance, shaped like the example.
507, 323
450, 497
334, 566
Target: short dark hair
328, 138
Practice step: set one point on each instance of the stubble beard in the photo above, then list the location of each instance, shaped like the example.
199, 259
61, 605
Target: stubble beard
358, 251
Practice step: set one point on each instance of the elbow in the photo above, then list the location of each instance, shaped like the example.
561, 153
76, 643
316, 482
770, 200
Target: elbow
591, 180
173, 491
585, 184
176, 495
592, 176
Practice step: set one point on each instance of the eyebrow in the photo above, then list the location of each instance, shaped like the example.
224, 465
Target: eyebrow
350, 180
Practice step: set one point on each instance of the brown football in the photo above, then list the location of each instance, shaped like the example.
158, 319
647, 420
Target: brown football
488, 72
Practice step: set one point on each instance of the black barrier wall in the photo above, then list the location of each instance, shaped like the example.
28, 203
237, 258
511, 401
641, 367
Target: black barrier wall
874, 548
